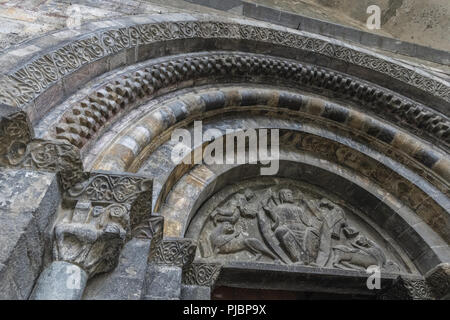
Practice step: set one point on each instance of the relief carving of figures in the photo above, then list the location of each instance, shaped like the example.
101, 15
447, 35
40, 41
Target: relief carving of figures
361, 254
293, 228
98, 215
92, 236
225, 238
286, 224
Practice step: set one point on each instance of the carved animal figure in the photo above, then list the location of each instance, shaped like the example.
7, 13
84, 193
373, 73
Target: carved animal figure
225, 240
360, 256
227, 213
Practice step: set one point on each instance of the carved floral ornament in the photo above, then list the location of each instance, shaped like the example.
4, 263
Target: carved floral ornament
201, 274
282, 224
31, 80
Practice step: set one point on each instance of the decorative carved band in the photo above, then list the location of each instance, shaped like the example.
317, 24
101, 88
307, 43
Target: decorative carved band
201, 274
18, 149
439, 281
407, 289
110, 187
175, 252
35, 77
88, 116
133, 190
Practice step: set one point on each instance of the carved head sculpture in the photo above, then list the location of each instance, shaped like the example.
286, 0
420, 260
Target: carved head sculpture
249, 194
362, 241
326, 204
286, 196
227, 228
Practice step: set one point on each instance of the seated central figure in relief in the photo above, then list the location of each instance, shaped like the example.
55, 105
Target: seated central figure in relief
294, 230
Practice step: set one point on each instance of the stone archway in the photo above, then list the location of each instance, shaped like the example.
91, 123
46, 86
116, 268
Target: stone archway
363, 143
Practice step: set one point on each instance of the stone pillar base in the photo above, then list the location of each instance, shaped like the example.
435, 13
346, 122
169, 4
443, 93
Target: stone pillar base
60, 281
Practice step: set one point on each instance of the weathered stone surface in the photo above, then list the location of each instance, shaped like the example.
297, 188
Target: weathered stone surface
281, 222
28, 203
406, 288
127, 280
362, 177
438, 279
163, 282
192, 292
60, 281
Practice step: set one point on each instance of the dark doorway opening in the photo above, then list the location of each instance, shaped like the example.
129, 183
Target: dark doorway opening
232, 293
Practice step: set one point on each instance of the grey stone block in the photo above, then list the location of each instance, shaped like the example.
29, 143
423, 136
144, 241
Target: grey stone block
163, 283
28, 202
189, 292
127, 279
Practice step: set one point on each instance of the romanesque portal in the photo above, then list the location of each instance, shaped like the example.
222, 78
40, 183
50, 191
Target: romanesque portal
88, 184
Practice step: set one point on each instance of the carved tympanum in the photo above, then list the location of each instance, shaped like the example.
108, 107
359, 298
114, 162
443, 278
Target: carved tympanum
284, 224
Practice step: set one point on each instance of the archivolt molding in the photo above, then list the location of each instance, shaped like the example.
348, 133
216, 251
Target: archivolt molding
132, 146
429, 206
23, 85
85, 118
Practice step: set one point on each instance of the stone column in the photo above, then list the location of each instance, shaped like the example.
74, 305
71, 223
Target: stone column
198, 280
438, 279
164, 273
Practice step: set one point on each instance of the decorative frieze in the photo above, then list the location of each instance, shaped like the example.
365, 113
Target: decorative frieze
175, 252
35, 77
201, 274
133, 190
405, 288
88, 116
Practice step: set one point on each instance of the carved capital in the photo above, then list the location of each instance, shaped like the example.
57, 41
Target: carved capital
201, 274
97, 217
438, 280
175, 252
134, 190
19, 149
93, 236
405, 288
